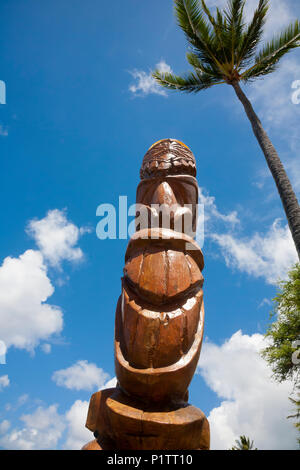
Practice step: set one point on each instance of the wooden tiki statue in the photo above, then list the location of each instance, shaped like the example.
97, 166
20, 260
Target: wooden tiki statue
159, 317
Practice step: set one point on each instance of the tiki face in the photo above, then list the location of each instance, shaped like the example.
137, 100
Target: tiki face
168, 193
171, 202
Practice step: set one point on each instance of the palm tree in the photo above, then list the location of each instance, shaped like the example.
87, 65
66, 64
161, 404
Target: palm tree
243, 443
223, 49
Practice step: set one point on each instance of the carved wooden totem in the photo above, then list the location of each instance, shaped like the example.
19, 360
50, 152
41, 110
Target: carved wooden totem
159, 317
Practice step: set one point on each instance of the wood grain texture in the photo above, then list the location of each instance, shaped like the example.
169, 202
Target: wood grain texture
159, 320
126, 424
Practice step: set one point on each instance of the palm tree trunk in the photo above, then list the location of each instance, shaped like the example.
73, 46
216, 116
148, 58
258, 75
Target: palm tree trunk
287, 195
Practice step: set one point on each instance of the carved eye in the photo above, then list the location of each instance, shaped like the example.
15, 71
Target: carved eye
183, 191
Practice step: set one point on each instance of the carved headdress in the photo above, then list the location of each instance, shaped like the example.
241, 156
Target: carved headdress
168, 156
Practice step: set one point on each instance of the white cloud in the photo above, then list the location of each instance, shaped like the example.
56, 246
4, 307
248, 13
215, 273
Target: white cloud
25, 317
212, 214
210, 219
110, 384
269, 256
43, 428
272, 96
21, 400
81, 376
46, 348
4, 382
145, 83
3, 350
77, 434
252, 403
4, 426
56, 237
272, 99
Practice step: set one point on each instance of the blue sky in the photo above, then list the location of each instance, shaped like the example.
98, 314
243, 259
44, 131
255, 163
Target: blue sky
81, 110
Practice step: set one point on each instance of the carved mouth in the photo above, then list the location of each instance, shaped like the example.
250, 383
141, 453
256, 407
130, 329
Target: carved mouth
155, 382
157, 336
161, 274
159, 317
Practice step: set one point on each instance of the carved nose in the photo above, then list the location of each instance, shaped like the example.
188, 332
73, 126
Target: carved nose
164, 194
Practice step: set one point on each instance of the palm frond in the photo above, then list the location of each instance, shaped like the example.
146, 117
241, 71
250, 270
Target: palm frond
190, 83
243, 443
223, 47
267, 60
198, 31
190, 19
219, 27
195, 62
234, 11
234, 17
253, 34
203, 68
259, 70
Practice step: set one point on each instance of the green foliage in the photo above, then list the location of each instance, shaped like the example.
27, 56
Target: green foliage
284, 333
285, 330
223, 48
267, 60
243, 443
297, 413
